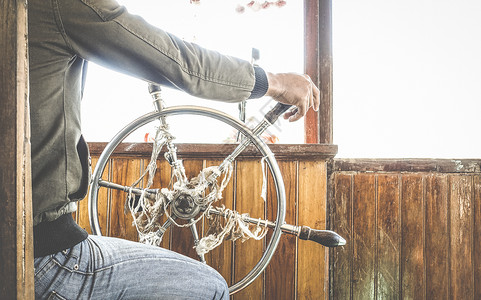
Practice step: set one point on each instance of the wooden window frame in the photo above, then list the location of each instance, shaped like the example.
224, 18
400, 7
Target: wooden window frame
318, 65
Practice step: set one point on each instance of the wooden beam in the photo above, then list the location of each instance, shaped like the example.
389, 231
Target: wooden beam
318, 65
221, 151
407, 165
16, 234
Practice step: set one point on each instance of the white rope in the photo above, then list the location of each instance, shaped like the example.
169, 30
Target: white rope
204, 189
235, 228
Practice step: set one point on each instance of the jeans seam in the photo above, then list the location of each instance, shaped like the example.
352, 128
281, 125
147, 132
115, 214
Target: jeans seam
44, 269
136, 259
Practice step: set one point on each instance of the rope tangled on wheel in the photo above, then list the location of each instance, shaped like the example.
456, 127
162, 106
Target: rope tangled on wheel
147, 211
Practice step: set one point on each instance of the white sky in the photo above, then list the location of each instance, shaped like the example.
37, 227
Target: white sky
407, 74
407, 78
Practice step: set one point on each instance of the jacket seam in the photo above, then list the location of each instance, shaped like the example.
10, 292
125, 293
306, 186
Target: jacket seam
60, 26
65, 141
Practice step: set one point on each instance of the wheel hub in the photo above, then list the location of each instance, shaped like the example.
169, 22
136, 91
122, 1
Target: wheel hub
184, 206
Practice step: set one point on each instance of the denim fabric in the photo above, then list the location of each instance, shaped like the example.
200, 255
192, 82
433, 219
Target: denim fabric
110, 268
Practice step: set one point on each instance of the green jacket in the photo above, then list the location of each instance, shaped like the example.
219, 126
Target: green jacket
63, 35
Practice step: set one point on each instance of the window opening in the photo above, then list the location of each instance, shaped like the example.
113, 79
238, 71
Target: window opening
111, 99
407, 78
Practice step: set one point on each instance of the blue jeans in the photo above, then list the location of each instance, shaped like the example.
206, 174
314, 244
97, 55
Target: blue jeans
111, 268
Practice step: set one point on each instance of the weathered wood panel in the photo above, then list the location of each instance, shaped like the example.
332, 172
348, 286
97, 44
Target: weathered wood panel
461, 237
412, 252
281, 271
388, 236
182, 240
305, 181
248, 200
311, 257
477, 237
364, 236
341, 222
162, 179
103, 206
426, 223
125, 171
221, 258
436, 236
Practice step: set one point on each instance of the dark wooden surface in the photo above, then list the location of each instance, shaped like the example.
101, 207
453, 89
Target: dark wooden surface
436, 237
412, 232
387, 233
364, 236
341, 196
16, 237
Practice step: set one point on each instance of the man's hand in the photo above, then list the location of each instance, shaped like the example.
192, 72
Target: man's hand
294, 89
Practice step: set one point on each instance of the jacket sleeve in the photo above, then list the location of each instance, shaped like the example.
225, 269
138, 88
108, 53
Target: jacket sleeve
104, 32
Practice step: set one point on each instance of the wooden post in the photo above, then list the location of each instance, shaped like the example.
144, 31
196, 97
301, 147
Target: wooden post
318, 65
16, 233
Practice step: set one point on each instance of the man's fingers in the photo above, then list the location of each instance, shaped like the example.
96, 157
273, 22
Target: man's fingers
316, 98
292, 111
298, 112
314, 94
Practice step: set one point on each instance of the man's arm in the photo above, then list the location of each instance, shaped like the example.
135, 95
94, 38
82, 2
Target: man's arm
104, 32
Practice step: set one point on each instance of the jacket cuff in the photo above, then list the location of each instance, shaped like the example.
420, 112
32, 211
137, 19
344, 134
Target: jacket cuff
261, 85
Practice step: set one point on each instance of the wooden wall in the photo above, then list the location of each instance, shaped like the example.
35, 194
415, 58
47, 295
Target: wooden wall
298, 269
413, 229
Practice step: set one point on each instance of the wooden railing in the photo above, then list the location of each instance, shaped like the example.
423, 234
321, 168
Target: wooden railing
413, 229
298, 269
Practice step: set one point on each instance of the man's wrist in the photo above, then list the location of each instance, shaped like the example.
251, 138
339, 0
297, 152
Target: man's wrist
261, 85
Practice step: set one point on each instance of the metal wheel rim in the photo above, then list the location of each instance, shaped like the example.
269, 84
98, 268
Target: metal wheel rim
212, 113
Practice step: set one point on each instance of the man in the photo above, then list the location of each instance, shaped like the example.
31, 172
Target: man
63, 34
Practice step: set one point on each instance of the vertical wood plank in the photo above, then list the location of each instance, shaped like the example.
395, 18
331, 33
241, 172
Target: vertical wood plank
461, 237
364, 236
436, 236
248, 200
162, 180
125, 171
311, 262
182, 240
412, 252
341, 222
281, 272
103, 205
477, 236
388, 236
221, 257
16, 235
